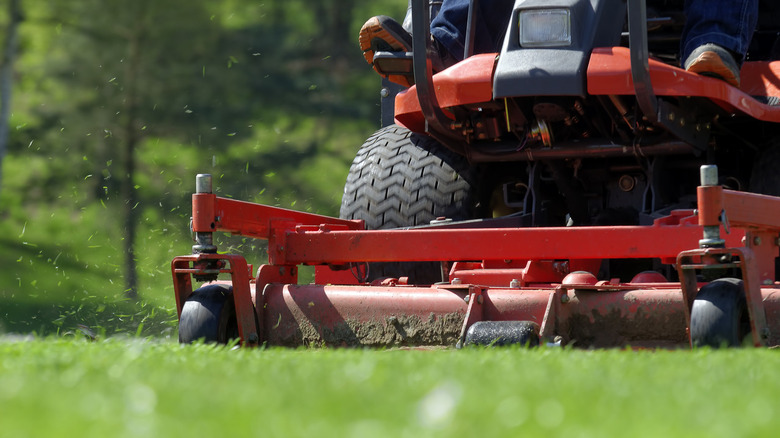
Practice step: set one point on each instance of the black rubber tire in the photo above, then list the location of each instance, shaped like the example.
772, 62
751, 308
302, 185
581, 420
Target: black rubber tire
400, 179
503, 334
209, 314
720, 316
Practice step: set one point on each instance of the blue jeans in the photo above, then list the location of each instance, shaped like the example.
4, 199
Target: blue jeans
727, 23
449, 26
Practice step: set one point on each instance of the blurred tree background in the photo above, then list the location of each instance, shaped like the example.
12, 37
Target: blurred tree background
115, 105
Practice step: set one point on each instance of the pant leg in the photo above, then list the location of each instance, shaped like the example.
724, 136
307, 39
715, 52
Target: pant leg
727, 23
449, 26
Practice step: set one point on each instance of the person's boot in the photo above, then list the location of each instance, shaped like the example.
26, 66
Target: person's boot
382, 33
714, 61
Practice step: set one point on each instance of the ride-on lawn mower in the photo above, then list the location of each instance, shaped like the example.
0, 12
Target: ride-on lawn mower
577, 188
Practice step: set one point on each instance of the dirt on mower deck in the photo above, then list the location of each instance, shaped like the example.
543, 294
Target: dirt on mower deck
393, 331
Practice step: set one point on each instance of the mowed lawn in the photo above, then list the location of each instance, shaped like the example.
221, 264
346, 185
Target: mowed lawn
146, 388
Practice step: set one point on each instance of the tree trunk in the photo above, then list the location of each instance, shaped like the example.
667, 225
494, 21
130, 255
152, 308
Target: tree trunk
334, 18
341, 40
6, 77
131, 139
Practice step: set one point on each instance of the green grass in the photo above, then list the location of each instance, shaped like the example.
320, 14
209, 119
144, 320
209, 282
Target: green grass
64, 268
135, 387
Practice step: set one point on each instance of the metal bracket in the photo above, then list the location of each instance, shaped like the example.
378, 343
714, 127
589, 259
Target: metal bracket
186, 266
688, 262
474, 312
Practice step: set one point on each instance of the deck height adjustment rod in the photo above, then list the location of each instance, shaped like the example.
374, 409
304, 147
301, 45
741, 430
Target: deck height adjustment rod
711, 233
204, 241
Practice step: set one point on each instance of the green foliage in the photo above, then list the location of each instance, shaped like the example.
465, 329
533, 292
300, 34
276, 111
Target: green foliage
249, 92
141, 388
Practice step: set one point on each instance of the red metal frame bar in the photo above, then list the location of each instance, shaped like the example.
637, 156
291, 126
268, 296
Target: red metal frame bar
758, 214
306, 246
304, 238
212, 213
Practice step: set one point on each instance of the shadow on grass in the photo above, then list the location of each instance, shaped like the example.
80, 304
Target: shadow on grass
91, 314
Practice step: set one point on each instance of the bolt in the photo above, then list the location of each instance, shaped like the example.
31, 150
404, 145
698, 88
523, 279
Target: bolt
456, 281
384, 92
466, 298
564, 298
479, 299
670, 117
765, 333
253, 338
757, 241
515, 284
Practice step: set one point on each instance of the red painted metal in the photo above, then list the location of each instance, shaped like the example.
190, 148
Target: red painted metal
514, 274
305, 245
758, 214
531, 273
543, 275
467, 82
641, 316
212, 213
475, 311
609, 73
